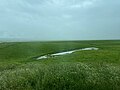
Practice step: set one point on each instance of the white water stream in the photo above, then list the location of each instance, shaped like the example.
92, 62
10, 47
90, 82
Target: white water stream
67, 52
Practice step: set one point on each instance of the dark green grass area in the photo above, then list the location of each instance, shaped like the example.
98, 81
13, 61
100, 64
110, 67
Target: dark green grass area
82, 70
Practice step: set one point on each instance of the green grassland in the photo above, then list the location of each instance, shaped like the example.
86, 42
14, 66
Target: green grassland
82, 70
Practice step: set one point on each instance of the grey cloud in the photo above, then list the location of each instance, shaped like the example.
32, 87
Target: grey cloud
60, 19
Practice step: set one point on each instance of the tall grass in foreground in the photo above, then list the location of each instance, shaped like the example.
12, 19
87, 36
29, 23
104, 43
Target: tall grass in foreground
62, 76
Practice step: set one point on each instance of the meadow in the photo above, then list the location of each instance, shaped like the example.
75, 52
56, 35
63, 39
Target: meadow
82, 70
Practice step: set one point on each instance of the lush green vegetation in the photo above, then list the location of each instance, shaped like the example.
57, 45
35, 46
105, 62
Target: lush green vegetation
82, 70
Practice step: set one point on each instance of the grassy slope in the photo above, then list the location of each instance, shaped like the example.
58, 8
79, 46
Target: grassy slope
95, 70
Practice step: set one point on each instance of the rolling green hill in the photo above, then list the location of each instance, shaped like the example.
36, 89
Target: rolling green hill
82, 70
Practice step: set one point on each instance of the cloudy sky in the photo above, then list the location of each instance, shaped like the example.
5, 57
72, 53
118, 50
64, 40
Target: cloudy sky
60, 19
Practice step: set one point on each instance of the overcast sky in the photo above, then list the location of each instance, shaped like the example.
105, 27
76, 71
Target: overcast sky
60, 19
